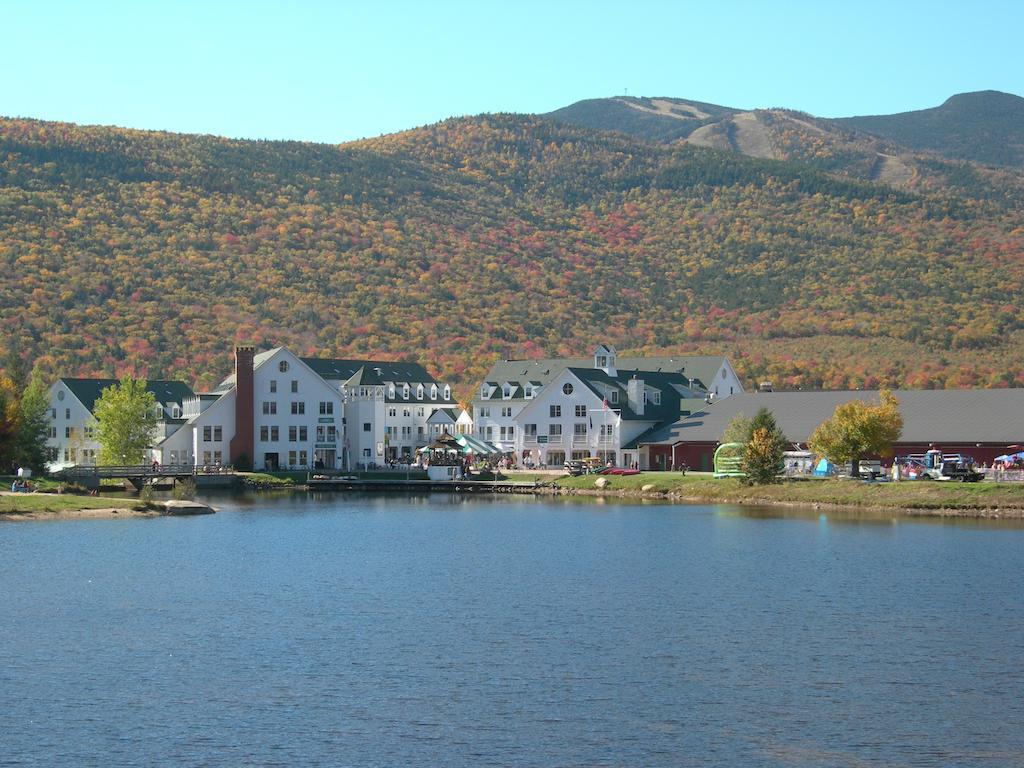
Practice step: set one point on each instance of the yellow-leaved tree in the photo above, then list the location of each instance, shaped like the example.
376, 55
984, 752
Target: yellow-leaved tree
858, 428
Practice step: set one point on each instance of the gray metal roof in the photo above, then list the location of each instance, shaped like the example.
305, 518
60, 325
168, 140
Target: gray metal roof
929, 415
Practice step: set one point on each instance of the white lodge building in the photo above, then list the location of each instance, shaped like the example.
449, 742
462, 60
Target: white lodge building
70, 437
282, 411
276, 411
550, 410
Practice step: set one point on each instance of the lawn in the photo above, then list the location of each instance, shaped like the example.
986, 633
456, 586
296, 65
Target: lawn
904, 495
12, 503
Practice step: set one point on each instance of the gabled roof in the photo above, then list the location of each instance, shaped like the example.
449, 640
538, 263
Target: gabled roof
929, 415
542, 370
374, 371
88, 390
670, 385
443, 416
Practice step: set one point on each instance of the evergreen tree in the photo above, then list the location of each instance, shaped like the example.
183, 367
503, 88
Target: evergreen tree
30, 425
762, 457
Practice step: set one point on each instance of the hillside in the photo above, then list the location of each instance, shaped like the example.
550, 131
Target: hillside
986, 127
155, 252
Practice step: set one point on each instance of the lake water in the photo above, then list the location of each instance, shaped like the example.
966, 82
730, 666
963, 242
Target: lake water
388, 631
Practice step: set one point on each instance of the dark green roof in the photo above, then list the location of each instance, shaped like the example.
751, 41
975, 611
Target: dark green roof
89, 390
374, 371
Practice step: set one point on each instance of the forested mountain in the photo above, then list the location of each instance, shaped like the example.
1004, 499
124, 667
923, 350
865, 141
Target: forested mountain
985, 126
155, 253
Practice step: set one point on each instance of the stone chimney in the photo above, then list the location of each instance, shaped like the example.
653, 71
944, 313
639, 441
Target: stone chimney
243, 441
635, 395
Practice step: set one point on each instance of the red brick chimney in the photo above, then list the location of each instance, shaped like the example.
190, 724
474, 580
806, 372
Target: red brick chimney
243, 441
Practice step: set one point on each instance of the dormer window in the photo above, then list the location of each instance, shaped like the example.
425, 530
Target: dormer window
528, 392
506, 391
484, 391
602, 361
657, 397
447, 392
405, 391
615, 397
433, 391
175, 411
419, 391
391, 391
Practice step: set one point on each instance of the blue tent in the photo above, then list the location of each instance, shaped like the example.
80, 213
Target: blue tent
824, 468
1009, 458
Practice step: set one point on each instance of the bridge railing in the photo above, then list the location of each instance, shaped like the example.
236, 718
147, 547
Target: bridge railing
145, 470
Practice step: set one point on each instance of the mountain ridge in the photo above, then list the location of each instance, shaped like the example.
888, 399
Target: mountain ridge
454, 242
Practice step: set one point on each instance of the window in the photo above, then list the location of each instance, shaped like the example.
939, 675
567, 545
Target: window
298, 408
295, 385
207, 457
581, 411
407, 412
303, 434
507, 412
273, 386
216, 457
264, 434
332, 433
207, 434
506, 391
406, 433
433, 391
489, 433
89, 432
555, 430
326, 408
60, 394
69, 455
293, 458
53, 414
218, 434
447, 392
607, 429
273, 434
615, 396
69, 431
528, 391
530, 430
420, 412
391, 391
269, 407
366, 426
51, 432
657, 397
303, 458
484, 413
602, 361
484, 391
67, 413
366, 453
555, 411
283, 366
419, 431
508, 433
405, 391
293, 434
419, 391
567, 388
579, 429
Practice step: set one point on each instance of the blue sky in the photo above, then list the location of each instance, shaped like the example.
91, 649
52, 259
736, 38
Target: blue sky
336, 71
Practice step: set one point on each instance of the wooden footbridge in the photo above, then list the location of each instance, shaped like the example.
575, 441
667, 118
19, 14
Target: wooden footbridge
139, 475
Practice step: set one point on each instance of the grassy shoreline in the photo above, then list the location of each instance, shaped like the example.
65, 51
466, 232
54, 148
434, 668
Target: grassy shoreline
910, 497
